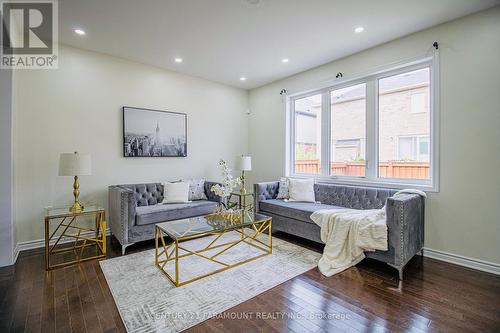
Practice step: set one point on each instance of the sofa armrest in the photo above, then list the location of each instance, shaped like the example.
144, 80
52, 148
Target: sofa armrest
211, 195
405, 223
265, 191
122, 207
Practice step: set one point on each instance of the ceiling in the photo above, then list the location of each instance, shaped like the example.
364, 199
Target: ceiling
223, 40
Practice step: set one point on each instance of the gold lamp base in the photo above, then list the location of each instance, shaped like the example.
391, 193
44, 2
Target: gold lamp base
243, 190
76, 207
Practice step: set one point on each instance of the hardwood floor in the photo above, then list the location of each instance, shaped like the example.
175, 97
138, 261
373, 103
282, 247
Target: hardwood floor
435, 296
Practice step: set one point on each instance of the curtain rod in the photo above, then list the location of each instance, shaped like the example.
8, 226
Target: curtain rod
340, 75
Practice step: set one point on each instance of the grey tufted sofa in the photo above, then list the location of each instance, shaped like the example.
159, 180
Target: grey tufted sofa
405, 216
134, 209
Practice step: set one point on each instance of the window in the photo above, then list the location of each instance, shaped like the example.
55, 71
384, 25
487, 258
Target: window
376, 129
418, 102
308, 135
348, 143
414, 148
348, 131
399, 146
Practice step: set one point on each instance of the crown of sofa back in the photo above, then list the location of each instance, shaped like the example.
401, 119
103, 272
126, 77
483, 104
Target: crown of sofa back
354, 197
152, 193
146, 194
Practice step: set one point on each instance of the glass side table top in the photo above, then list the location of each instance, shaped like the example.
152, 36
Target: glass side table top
64, 211
205, 224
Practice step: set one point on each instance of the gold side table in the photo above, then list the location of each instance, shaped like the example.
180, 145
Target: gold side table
70, 241
244, 201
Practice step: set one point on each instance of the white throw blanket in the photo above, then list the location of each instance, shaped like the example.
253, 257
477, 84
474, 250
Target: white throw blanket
348, 233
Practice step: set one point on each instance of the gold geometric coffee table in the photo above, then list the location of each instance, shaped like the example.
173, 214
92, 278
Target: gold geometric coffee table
249, 226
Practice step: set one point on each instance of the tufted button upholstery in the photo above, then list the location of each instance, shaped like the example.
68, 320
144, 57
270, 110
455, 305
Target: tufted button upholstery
147, 194
266, 191
405, 216
351, 196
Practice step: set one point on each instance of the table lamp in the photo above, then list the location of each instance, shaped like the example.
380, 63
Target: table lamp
245, 165
74, 164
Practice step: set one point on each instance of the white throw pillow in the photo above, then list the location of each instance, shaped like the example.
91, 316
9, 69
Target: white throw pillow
175, 192
301, 190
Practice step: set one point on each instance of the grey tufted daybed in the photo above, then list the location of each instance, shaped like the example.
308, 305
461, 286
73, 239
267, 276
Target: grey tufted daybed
134, 209
405, 216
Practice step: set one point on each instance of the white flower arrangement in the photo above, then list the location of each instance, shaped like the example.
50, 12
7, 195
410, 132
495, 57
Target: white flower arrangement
228, 182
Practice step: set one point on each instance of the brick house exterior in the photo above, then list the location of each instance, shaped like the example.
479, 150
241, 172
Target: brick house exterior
404, 122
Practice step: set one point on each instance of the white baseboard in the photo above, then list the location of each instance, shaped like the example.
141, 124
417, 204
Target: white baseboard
456, 259
38, 243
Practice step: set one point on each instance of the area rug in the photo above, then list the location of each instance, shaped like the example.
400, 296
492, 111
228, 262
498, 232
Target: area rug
149, 302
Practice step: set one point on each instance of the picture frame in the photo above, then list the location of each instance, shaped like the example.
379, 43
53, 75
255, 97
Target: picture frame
154, 133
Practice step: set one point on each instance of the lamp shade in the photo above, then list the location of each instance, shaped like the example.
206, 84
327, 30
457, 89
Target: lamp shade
246, 163
74, 164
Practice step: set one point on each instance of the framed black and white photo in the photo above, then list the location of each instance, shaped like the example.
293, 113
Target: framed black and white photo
154, 133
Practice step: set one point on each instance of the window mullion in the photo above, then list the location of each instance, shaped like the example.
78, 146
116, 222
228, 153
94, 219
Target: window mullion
293, 133
325, 133
289, 158
371, 129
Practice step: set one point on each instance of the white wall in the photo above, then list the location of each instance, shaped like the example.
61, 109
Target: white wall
464, 217
78, 108
6, 221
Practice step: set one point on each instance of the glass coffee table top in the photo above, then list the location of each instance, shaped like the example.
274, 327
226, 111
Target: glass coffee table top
205, 224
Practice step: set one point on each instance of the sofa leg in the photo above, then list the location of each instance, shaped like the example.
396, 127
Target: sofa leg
125, 246
400, 270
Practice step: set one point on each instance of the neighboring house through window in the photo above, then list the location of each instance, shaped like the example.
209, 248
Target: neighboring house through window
418, 102
374, 129
414, 148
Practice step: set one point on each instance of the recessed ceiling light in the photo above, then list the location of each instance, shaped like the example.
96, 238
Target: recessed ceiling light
285, 60
243, 78
79, 32
359, 29
178, 60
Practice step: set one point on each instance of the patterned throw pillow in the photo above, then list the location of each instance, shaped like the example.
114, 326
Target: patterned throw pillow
197, 189
283, 188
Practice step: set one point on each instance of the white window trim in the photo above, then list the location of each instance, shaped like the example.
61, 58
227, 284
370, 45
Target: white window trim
371, 178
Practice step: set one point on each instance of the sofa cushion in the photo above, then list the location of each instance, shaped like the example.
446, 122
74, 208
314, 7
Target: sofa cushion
177, 192
283, 191
301, 190
292, 209
197, 189
168, 212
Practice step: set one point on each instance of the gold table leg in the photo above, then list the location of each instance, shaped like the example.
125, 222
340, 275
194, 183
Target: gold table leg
176, 263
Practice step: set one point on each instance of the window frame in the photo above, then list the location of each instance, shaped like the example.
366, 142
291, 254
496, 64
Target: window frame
371, 80
293, 127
